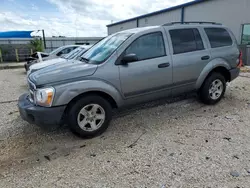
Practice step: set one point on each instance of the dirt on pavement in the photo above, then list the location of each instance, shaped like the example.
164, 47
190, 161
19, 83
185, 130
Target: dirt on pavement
161, 144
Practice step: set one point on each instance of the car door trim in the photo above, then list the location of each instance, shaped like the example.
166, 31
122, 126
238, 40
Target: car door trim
156, 89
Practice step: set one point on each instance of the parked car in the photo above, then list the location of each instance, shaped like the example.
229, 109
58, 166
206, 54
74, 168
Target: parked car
131, 67
63, 50
73, 54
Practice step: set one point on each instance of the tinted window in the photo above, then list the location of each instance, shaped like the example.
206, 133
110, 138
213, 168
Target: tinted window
199, 43
186, 40
64, 51
246, 34
67, 50
148, 46
218, 37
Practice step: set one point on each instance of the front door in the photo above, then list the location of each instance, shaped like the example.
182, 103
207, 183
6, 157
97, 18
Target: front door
152, 73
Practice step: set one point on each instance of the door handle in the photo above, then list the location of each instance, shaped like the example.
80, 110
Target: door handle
163, 65
205, 57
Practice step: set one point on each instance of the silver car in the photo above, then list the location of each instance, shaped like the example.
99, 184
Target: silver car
131, 67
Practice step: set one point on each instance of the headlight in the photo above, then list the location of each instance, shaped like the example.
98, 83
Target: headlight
44, 97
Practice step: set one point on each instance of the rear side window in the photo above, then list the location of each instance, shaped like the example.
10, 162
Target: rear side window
66, 51
148, 46
218, 37
186, 40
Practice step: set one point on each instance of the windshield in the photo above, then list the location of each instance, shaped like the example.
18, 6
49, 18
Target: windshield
103, 49
74, 53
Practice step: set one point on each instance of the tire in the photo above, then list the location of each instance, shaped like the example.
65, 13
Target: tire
25, 66
209, 94
82, 123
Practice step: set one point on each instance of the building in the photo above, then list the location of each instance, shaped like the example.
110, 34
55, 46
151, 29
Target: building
233, 13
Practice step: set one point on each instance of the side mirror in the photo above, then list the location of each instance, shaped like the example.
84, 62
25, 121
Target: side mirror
129, 58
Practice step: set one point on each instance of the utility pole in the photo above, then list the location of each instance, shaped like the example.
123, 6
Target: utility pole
44, 42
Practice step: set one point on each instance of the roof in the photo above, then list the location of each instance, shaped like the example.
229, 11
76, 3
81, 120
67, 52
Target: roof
71, 45
160, 11
138, 29
173, 25
15, 34
85, 46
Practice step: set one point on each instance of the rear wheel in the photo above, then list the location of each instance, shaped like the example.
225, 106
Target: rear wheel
89, 116
213, 89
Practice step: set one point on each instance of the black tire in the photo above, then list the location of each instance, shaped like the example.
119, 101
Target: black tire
78, 105
25, 66
204, 91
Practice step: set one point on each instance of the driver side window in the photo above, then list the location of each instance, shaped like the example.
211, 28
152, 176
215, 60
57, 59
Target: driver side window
147, 46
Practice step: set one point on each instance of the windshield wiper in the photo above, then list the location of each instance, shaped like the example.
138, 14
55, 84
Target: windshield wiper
84, 59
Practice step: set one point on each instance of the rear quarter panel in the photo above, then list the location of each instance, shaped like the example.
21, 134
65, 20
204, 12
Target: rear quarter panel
226, 57
229, 53
216, 62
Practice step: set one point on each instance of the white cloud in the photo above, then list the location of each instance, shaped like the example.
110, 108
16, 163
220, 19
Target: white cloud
34, 7
81, 17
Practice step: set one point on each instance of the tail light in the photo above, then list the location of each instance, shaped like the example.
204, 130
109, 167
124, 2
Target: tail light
240, 61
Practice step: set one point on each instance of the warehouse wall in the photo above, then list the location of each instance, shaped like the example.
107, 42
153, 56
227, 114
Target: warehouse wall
172, 16
159, 19
122, 26
232, 13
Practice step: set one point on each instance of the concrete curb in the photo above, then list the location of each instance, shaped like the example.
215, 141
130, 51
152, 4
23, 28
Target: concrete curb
2, 67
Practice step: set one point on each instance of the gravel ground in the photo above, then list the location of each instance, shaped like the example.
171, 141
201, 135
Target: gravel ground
160, 144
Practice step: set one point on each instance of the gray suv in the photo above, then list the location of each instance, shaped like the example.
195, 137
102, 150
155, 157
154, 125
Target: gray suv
131, 67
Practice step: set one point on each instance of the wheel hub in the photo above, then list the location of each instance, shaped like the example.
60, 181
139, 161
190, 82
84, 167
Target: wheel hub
91, 117
216, 89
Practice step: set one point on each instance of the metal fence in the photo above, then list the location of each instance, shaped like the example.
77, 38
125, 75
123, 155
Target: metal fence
16, 49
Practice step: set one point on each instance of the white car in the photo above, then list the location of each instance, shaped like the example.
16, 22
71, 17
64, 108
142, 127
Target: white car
73, 54
41, 56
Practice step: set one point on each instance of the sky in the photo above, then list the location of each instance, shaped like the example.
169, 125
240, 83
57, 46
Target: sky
74, 18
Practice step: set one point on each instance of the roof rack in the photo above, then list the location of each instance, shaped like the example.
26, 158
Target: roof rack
195, 22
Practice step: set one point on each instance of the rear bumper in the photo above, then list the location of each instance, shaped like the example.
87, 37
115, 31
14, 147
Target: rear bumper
41, 116
234, 73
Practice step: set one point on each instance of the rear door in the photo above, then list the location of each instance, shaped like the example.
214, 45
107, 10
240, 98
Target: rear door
222, 45
189, 58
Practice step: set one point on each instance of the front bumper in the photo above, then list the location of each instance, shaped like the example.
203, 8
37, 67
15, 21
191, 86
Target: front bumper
44, 117
234, 73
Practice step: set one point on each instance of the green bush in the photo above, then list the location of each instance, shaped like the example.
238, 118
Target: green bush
37, 45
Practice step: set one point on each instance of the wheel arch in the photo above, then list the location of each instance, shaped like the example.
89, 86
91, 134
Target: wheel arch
219, 66
102, 94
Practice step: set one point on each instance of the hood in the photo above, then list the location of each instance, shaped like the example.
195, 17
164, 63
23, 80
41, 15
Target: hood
43, 64
51, 56
61, 72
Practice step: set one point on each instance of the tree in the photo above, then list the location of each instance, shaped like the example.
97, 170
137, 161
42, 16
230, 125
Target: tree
37, 45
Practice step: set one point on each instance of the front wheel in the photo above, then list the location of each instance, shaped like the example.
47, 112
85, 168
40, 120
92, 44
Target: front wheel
213, 89
89, 116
